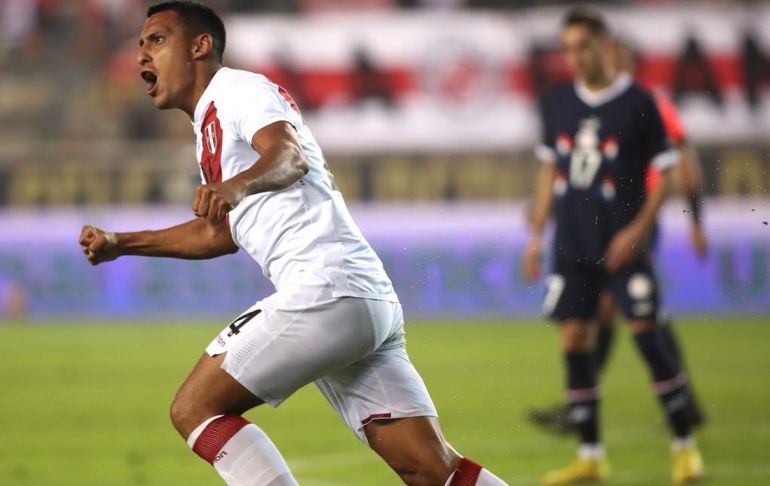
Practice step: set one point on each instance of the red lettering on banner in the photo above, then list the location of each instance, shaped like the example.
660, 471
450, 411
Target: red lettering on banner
211, 160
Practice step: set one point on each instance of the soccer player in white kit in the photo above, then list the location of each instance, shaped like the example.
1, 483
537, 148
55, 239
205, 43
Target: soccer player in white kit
334, 319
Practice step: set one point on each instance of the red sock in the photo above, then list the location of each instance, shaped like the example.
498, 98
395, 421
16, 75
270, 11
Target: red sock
466, 474
216, 434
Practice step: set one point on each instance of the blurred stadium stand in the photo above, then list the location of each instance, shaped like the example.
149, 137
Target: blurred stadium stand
78, 129
413, 100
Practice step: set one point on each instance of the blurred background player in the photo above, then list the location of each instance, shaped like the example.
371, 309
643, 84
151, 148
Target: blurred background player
600, 134
688, 179
334, 320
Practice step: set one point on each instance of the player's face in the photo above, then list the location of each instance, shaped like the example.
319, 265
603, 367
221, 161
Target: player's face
165, 57
623, 58
585, 52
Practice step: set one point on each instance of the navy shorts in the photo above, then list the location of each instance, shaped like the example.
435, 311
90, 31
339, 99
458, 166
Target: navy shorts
573, 290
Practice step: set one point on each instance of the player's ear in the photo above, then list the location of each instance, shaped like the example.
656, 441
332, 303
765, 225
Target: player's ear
203, 44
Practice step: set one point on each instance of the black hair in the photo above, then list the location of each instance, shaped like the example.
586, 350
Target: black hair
196, 19
587, 16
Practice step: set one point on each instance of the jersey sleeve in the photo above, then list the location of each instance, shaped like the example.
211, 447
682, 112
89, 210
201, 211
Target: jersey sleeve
545, 150
656, 143
671, 120
257, 105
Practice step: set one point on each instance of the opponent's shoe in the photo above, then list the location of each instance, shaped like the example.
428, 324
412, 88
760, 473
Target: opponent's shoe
687, 465
580, 471
553, 419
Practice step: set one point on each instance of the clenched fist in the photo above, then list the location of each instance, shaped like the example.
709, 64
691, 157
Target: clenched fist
214, 201
98, 245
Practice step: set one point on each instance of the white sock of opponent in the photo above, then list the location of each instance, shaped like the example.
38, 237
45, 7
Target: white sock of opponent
469, 473
240, 452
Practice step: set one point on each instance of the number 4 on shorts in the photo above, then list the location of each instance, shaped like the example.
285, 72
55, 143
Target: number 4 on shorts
237, 324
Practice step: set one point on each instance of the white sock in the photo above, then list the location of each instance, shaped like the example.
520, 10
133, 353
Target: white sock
197, 432
250, 458
247, 458
594, 452
680, 443
486, 478
467, 469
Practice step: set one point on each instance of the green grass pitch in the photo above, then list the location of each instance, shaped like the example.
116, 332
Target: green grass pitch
88, 405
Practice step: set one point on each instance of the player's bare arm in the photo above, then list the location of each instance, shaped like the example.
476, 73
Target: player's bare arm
627, 242
540, 211
198, 239
691, 182
280, 165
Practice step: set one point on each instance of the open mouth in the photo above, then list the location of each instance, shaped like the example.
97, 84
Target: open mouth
151, 79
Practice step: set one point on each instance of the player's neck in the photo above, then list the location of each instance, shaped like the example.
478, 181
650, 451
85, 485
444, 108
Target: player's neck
203, 77
599, 82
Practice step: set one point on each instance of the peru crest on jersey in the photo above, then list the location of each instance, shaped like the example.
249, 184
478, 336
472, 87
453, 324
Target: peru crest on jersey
211, 160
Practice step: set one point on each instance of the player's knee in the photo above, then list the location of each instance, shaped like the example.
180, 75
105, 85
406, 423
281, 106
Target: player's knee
185, 416
578, 337
639, 326
605, 319
177, 413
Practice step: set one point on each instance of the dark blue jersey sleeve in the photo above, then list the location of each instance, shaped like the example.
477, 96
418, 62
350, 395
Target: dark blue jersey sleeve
656, 144
546, 149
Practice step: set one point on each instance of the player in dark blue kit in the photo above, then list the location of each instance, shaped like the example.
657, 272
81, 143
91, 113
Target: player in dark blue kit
690, 185
600, 134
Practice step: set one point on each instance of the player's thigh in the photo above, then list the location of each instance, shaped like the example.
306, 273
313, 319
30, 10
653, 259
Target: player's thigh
207, 391
381, 386
578, 335
635, 290
605, 314
288, 347
572, 292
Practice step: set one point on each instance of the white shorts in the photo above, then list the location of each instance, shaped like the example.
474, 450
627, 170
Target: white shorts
352, 348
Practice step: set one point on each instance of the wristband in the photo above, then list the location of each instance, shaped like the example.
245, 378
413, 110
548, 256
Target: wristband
695, 200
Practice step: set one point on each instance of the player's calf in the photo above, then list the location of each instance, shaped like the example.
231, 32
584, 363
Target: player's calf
414, 448
417, 451
669, 381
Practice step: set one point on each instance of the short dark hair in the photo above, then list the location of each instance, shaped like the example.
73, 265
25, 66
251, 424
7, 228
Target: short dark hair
588, 16
196, 19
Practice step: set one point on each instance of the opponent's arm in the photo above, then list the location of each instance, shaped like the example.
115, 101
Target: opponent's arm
541, 209
197, 239
691, 178
281, 164
627, 242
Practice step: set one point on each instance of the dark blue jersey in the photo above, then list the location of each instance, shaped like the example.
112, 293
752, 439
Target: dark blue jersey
602, 144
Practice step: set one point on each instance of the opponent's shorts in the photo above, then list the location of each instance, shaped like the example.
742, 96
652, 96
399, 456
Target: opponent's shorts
352, 348
572, 290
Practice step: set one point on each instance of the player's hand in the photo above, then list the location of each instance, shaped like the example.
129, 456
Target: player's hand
214, 201
699, 242
531, 260
623, 248
98, 245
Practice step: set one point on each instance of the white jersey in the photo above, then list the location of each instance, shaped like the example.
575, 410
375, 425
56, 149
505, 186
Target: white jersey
303, 234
